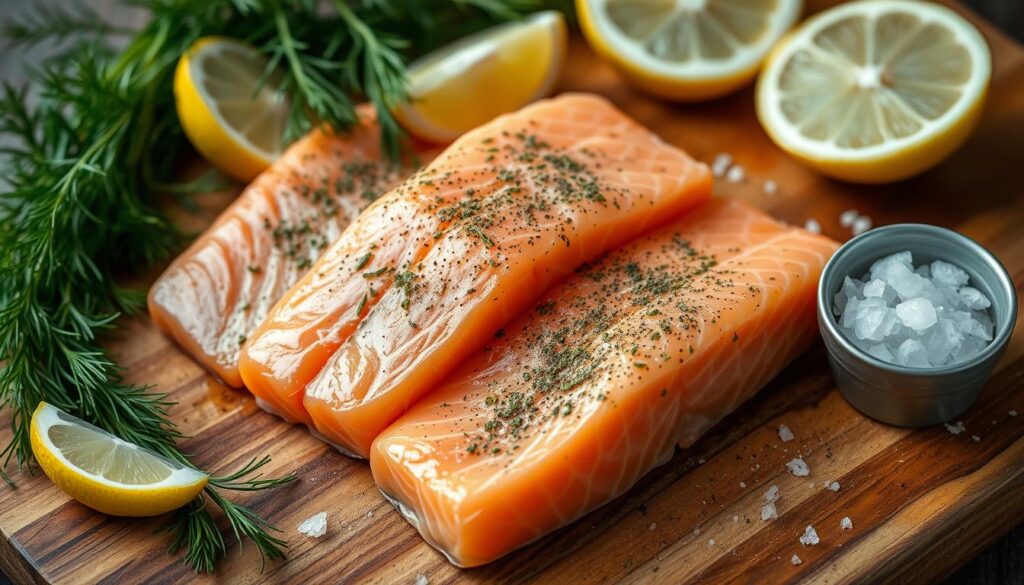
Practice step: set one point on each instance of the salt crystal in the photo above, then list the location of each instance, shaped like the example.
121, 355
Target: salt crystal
832, 487
736, 174
315, 525
918, 314
743, 484
846, 523
1012, 413
795, 560
957, 428
421, 580
874, 288
973, 298
976, 438
798, 467
912, 353
861, 225
696, 531
948, 274
881, 352
369, 514
812, 226
770, 187
711, 542
810, 537
768, 511
735, 518
721, 164
653, 526
785, 434
847, 217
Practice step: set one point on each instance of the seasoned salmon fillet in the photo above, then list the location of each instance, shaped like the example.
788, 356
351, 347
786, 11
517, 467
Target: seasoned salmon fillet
212, 297
427, 274
568, 406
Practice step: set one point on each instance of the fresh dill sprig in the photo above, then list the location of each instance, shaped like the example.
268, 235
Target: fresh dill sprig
85, 156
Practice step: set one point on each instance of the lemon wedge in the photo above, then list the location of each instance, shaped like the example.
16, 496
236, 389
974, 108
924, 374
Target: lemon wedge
233, 121
875, 91
106, 473
686, 50
468, 83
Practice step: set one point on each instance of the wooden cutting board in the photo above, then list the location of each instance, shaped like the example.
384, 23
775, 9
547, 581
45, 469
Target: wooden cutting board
922, 502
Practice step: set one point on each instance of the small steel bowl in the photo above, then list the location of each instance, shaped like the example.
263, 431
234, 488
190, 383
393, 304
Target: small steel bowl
899, 395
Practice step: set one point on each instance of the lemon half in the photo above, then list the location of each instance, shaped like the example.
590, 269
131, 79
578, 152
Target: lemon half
106, 473
875, 91
470, 82
686, 49
233, 121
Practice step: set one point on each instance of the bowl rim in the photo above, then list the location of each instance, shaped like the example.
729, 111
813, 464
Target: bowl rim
1003, 329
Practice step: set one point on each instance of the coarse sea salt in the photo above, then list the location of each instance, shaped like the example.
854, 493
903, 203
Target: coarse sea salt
957, 428
832, 486
812, 226
846, 523
785, 434
721, 164
421, 579
798, 467
810, 537
768, 510
736, 174
771, 187
795, 560
922, 317
315, 525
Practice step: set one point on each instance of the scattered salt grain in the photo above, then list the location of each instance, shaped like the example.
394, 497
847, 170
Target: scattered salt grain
369, 514
771, 187
696, 531
711, 542
721, 164
735, 518
768, 511
832, 486
421, 580
798, 467
957, 428
812, 226
736, 174
653, 526
861, 225
847, 217
976, 438
785, 434
810, 537
795, 560
743, 484
920, 316
315, 525
1012, 413
846, 523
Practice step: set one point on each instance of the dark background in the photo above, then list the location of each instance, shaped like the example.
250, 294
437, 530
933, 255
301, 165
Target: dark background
1003, 562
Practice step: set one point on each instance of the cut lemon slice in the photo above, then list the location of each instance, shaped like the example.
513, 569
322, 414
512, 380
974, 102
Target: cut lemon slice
106, 473
470, 82
875, 91
233, 121
686, 49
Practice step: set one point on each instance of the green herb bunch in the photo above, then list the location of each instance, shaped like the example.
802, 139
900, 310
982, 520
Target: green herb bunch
90, 142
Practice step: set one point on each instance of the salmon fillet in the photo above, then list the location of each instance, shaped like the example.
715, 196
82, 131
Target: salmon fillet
427, 274
212, 297
576, 400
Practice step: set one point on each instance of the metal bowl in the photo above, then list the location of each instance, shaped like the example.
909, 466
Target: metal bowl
900, 395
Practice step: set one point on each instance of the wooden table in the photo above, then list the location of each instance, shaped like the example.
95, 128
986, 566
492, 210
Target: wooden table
922, 501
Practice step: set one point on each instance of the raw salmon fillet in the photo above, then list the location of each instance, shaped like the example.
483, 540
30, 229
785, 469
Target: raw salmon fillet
427, 274
576, 400
213, 295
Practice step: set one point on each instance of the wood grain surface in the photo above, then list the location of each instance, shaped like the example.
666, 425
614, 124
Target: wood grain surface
922, 502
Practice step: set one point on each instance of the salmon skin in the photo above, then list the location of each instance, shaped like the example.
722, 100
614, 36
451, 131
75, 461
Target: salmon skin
576, 400
213, 295
427, 274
